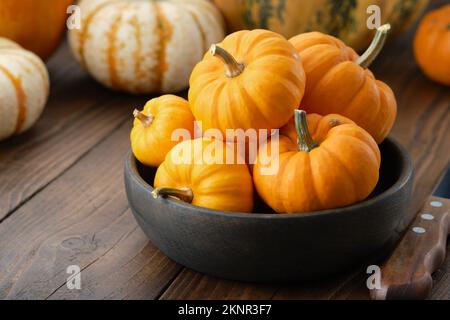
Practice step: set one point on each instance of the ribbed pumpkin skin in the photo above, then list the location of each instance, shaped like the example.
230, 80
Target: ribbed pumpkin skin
263, 96
24, 88
151, 144
145, 46
343, 19
37, 26
226, 187
336, 84
342, 170
432, 45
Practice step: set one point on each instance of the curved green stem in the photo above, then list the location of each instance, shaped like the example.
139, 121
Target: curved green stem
233, 67
304, 140
366, 59
145, 119
184, 194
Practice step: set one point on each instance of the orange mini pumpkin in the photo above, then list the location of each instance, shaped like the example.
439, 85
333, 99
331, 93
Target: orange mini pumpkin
339, 82
253, 79
335, 164
432, 45
197, 171
151, 136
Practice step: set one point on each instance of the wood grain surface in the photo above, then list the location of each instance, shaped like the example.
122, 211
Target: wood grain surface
62, 198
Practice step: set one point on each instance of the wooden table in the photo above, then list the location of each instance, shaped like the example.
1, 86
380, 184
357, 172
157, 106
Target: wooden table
62, 198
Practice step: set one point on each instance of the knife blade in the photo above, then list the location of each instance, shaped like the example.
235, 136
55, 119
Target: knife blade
407, 274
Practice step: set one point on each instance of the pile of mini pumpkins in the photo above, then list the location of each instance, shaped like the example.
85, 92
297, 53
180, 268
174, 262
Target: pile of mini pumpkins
331, 111
152, 46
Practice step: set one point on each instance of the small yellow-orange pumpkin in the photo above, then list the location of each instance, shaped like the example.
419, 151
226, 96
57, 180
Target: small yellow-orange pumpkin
333, 165
151, 136
197, 172
432, 45
253, 79
339, 82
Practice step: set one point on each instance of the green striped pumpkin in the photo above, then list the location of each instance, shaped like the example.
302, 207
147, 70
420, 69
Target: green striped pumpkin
345, 19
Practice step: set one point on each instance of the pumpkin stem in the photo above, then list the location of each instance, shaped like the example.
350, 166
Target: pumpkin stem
335, 123
366, 59
145, 119
304, 140
233, 67
184, 194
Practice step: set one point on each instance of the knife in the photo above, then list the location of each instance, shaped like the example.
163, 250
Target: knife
407, 273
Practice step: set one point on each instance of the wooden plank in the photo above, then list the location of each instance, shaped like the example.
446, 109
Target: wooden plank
193, 286
423, 117
82, 218
132, 268
441, 289
422, 127
80, 113
347, 286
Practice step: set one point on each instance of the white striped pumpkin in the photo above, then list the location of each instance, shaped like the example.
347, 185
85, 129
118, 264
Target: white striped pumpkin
146, 46
24, 88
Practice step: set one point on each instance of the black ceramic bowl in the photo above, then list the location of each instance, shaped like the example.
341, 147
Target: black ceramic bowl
274, 247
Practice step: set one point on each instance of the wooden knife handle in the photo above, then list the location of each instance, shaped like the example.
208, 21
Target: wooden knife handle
407, 273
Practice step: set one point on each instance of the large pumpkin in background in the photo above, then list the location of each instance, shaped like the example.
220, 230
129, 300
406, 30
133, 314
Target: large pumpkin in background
432, 45
37, 25
145, 46
24, 88
345, 19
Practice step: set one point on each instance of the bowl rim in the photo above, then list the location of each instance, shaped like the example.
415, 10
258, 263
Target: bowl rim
404, 178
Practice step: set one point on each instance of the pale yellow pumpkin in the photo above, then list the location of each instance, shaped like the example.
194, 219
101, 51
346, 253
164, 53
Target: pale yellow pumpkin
24, 88
145, 46
154, 127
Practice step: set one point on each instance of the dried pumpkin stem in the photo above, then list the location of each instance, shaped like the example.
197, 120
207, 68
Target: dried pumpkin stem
304, 140
366, 59
233, 67
184, 194
335, 123
145, 119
